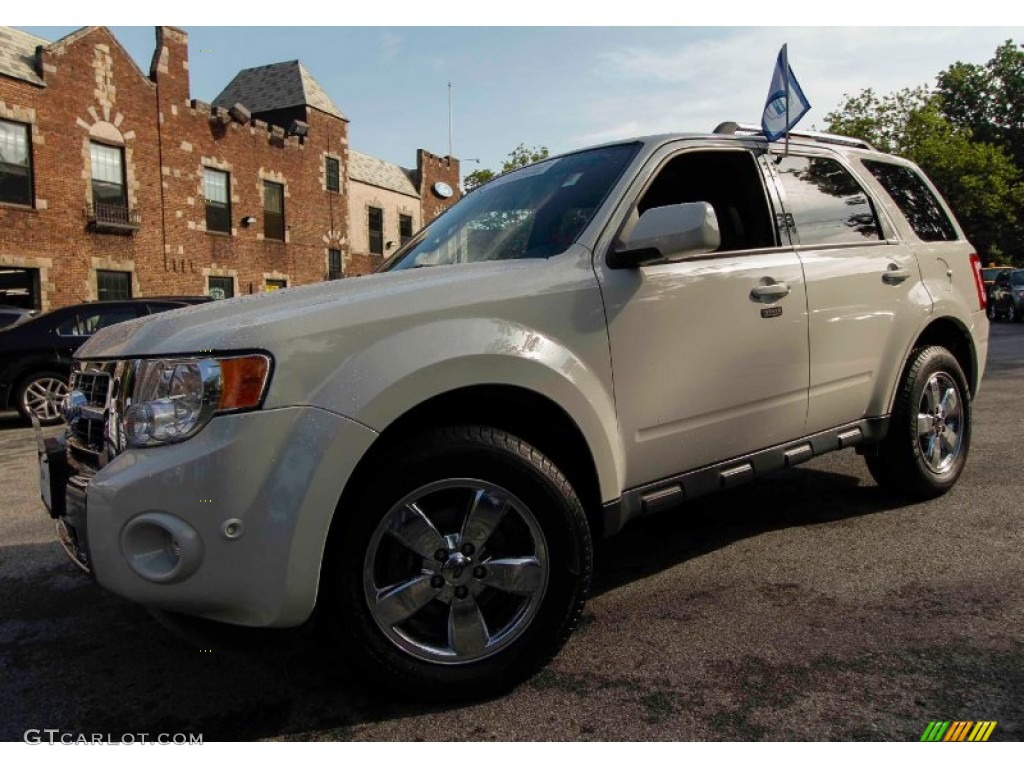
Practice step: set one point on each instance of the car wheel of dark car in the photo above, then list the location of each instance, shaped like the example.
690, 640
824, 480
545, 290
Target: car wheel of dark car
41, 393
462, 567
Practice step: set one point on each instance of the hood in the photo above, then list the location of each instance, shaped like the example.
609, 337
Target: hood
267, 320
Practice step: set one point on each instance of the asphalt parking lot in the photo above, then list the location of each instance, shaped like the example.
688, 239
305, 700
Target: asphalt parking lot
809, 605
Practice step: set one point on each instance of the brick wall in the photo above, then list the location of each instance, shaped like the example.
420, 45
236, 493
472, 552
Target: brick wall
432, 169
196, 136
361, 197
95, 92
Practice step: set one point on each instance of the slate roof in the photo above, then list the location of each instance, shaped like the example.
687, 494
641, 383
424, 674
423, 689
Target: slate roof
276, 86
380, 173
18, 55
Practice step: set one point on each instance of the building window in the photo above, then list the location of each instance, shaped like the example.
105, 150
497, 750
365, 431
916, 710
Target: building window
273, 210
334, 264
221, 287
19, 287
113, 285
333, 174
276, 285
108, 188
15, 164
376, 221
404, 229
217, 193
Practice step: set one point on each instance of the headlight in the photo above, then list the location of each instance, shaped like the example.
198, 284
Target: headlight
171, 399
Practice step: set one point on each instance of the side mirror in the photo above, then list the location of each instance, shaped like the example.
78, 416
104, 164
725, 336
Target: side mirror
668, 233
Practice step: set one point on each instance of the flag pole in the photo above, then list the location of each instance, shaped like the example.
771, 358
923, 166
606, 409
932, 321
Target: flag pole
449, 120
785, 86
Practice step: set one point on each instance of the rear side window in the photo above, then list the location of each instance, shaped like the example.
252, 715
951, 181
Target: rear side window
87, 323
827, 204
917, 203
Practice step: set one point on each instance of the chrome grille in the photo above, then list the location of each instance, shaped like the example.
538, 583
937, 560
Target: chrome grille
88, 434
95, 386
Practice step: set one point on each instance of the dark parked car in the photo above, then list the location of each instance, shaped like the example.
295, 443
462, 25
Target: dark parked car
13, 315
1006, 297
989, 275
35, 355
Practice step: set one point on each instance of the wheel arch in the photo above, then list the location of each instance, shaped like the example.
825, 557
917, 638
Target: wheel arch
953, 334
525, 413
16, 373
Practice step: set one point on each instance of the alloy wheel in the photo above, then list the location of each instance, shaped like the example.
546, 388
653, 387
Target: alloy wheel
456, 571
43, 397
940, 422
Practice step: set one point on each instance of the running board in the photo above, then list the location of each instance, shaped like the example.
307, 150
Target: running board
669, 493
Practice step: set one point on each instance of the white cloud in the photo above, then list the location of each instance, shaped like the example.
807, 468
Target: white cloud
725, 75
390, 45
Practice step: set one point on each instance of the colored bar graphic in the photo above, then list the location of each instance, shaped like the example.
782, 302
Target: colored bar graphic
958, 730
954, 730
935, 730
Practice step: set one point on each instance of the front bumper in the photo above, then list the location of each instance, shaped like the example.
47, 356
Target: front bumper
247, 502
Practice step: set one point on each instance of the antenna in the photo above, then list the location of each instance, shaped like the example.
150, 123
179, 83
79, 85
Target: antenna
450, 155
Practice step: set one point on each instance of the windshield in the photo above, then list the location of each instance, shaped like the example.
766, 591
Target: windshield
991, 273
1017, 278
532, 213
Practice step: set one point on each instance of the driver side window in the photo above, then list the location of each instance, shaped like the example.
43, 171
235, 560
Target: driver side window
731, 182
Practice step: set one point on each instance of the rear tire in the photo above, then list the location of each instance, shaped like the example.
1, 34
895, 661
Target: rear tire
930, 431
991, 311
461, 568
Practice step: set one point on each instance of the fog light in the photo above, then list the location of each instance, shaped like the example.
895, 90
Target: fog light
161, 547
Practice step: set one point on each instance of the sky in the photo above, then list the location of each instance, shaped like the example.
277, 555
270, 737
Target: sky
564, 87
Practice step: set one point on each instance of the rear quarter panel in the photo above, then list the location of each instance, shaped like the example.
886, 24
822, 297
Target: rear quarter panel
946, 271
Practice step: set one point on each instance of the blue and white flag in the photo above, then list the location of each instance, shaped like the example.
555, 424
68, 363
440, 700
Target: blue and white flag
786, 102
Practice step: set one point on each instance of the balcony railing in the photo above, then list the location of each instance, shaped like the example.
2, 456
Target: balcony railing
104, 217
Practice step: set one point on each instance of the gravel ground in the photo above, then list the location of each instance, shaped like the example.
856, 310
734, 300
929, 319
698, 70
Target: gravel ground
806, 606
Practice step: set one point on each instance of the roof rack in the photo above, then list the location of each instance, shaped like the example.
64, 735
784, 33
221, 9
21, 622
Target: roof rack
826, 138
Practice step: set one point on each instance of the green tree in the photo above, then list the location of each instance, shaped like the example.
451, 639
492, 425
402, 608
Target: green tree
476, 178
521, 156
988, 100
880, 120
517, 158
980, 180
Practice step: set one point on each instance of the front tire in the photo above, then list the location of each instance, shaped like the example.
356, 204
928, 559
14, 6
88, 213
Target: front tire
462, 567
930, 432
41, 393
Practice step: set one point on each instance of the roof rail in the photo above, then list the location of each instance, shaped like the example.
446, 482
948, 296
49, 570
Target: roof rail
826, 138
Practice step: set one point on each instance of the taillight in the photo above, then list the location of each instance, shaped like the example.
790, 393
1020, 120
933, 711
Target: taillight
979, 281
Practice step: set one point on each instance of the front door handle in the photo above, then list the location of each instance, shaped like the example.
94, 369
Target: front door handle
895, 274
770, 291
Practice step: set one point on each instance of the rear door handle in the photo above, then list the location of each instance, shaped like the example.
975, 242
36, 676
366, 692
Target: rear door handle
895, 274
770, 291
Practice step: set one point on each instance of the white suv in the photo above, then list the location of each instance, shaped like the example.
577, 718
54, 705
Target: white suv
422, 457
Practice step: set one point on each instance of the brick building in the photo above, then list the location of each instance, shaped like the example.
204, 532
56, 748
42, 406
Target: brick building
116, 183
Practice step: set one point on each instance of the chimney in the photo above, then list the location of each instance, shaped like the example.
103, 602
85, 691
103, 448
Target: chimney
169, 69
